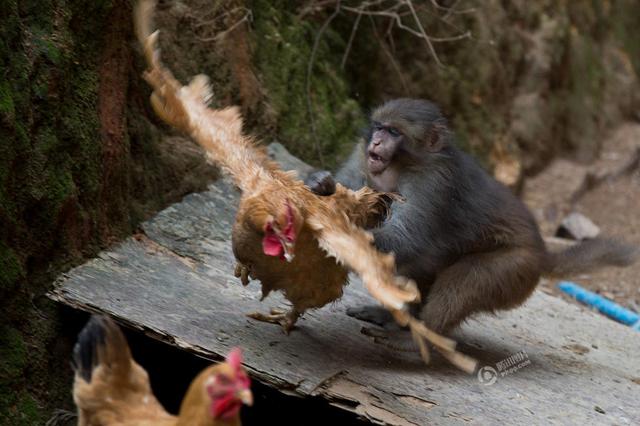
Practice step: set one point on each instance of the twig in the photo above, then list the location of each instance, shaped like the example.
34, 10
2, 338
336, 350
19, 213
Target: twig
227, 31
314, 50
201, 22
450, 9
248, 17
351, 37
427, 39
396, 11
389, 36
393, 61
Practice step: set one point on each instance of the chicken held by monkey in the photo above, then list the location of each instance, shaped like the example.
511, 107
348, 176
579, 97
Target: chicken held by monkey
111, 389
469, 243
284, 235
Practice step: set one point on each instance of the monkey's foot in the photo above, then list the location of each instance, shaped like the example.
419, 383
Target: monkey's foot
372, 314
375, 333
383, 338
286, 319
242, 271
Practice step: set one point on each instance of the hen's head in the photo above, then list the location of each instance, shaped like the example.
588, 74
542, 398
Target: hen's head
229, 387
280, 234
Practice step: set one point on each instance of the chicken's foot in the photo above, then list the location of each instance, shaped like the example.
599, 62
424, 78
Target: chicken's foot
286, 319
242, 271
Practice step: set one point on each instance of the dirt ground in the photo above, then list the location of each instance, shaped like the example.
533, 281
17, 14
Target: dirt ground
608, 193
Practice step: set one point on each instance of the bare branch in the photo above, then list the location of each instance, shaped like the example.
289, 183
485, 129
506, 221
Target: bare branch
392, 59
351, 37
201, 23
427, 39
451, 9
246, 18
395, 13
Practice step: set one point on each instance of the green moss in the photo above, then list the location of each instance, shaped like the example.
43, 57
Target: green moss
623, 21
282, 54
20, 410
583, 94
10, 268
30, 412
13, 353
16, 407
50, 174
7, 108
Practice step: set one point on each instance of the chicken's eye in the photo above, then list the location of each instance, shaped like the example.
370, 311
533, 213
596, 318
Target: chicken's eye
221, 380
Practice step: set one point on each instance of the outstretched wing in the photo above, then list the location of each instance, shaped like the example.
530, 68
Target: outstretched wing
353, 248
219, 132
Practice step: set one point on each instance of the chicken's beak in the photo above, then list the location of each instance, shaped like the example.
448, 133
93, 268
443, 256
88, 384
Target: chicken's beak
287, 246
245, 396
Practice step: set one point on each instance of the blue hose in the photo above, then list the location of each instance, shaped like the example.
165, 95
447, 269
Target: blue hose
605, 306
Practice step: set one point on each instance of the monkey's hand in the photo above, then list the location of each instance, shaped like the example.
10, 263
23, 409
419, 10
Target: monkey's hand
321, 183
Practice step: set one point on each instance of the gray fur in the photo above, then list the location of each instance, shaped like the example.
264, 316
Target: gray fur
469, 243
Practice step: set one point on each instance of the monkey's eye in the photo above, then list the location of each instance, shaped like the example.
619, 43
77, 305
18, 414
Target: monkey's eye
393, 131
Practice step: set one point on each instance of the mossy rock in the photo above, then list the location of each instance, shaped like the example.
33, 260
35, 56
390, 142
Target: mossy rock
318, 125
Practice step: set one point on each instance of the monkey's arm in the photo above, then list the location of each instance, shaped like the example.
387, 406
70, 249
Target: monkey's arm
350, 174
405, 232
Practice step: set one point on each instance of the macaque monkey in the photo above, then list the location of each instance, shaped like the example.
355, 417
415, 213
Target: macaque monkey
468, 242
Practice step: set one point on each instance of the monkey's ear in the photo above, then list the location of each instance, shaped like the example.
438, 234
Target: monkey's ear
435, 138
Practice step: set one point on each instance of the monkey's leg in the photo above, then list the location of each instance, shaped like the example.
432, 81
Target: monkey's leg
286, 319
483, 282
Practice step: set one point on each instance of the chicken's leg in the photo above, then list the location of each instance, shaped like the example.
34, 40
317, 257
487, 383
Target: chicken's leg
242, 271
286, 319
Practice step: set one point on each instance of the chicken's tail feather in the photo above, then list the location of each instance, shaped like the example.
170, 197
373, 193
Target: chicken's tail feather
101, 343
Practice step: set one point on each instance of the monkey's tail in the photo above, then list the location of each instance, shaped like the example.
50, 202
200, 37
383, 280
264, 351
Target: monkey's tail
589, 255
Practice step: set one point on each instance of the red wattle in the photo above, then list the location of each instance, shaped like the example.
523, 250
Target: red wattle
271, 246
225, 407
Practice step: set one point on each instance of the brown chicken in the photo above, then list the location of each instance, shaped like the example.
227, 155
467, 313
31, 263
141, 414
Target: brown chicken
110, 388
284, 235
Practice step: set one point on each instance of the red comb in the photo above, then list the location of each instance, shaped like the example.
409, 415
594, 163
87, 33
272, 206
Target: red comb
289, 232
235, 358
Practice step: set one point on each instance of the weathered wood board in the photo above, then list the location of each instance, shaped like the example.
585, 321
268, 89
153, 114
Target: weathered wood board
176, 283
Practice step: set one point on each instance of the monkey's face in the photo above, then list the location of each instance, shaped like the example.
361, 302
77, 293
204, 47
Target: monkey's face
382, 146
404, 132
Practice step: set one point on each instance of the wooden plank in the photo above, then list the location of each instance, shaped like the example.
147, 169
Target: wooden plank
176, 283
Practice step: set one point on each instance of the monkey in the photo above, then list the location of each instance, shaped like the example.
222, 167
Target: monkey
467, 241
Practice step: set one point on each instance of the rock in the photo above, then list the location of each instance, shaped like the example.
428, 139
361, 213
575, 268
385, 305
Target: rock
280, 154
530, 116
549, 193
577, 227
